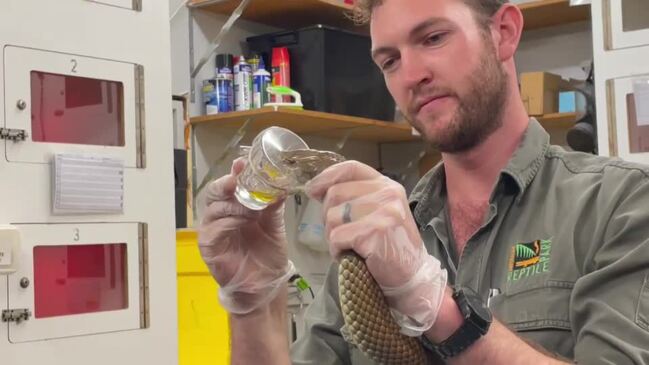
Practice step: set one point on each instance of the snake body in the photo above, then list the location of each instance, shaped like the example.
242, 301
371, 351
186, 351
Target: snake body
369, 325
368, 321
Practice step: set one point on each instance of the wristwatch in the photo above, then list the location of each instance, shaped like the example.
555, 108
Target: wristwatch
477, 319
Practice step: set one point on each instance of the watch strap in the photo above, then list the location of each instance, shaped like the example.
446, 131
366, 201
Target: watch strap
466, 335
459, 341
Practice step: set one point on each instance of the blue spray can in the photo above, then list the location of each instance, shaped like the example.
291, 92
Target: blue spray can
261, 81
224, 83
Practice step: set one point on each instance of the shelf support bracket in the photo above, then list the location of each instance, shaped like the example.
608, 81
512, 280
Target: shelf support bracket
232, 145
343, 140
213, 46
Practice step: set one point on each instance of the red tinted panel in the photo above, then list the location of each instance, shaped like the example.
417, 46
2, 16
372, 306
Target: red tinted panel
79, 279
79, 110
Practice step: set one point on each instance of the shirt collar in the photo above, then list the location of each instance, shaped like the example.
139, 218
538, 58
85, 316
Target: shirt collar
528, 157
427, 198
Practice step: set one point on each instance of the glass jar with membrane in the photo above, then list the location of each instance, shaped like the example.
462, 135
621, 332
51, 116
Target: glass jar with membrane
279, 163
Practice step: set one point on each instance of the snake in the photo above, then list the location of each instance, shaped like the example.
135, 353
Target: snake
367, 317
368, 322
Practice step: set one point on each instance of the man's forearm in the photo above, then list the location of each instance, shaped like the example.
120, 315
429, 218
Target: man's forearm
261, 337
499, 346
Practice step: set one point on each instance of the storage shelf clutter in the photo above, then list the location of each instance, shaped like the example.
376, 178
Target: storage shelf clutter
331, 108
312, 71
299, 13
330, 68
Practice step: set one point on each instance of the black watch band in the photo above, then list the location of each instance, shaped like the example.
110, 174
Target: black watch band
459, 341
477, 320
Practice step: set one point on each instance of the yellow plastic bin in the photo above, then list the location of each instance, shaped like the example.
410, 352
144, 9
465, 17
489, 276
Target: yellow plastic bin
202, 323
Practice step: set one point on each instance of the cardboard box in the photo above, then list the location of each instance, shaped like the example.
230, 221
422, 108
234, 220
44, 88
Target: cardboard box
540, 92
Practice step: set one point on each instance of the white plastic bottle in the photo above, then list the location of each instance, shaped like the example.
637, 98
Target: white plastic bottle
242, 85
261, 81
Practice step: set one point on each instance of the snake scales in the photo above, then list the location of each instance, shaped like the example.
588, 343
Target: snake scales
369, 325
367, 317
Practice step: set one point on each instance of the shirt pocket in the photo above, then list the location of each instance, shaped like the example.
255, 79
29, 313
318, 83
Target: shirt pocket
539, 313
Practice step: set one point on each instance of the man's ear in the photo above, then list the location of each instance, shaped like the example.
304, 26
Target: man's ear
507, 27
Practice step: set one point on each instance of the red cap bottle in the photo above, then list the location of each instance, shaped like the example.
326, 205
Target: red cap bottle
281, 68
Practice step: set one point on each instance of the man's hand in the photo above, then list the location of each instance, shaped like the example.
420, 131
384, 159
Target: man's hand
368, 213
244, 249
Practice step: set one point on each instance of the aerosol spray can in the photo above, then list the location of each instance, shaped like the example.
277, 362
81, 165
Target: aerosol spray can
224, 80
261, 81
242, 85
281, 68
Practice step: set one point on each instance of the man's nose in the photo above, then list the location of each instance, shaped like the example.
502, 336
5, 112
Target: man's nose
416, 72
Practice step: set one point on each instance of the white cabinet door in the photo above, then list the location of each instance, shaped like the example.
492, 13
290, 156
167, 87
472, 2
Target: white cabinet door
627, 23
72, 104
86, 278
628, 134
3, 306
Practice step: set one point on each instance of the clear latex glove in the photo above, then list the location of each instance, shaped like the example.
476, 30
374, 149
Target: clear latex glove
381, 230
245, 250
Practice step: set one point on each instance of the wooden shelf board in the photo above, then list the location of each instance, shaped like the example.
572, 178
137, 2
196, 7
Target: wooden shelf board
312, 123
292, 14
547, 13
336, 126
557, 120
287, 14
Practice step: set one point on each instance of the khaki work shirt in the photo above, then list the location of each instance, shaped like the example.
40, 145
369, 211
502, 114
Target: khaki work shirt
562, 257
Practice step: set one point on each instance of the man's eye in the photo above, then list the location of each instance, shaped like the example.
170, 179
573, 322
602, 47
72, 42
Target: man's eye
434, 39
387, 64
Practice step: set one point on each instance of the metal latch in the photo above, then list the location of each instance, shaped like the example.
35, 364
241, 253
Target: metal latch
16, 315
13, 134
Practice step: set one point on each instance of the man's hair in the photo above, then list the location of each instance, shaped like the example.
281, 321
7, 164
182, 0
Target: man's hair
482, 9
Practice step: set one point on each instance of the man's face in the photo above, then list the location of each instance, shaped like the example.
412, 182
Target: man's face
441, 68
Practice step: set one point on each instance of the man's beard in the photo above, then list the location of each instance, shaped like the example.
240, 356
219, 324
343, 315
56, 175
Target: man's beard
479, 112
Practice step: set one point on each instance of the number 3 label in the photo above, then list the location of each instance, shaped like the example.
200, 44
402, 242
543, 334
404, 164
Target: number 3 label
75, 235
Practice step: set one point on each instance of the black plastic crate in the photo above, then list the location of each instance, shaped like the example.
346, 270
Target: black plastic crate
332, 69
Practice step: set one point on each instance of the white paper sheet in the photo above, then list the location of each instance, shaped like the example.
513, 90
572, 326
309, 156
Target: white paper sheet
86, 184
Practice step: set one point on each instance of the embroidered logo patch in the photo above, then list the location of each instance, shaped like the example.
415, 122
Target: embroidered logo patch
527, 259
